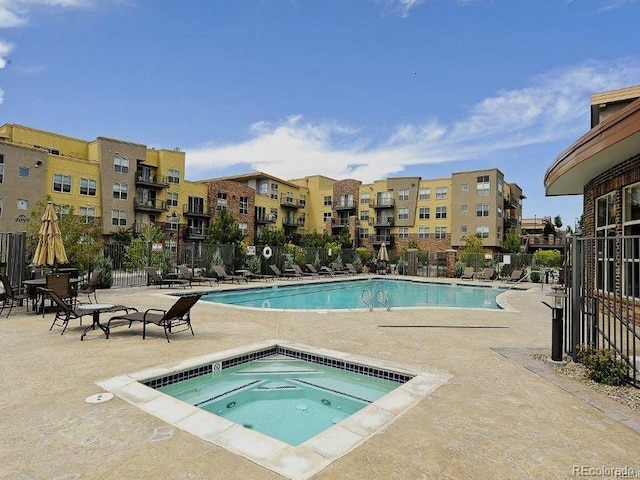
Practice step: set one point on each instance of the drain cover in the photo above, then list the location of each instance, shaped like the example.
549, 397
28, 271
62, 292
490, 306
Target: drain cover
99, 397
302, 407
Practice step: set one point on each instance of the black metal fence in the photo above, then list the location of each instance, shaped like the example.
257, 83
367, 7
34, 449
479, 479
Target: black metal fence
603, 300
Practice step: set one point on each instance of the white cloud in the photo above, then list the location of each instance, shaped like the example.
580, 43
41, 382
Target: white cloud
15, 13
551, 108
5, 50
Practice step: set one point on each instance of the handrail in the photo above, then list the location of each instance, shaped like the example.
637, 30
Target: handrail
367, 299
383, 299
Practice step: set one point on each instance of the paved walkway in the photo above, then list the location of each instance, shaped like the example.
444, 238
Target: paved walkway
499, 417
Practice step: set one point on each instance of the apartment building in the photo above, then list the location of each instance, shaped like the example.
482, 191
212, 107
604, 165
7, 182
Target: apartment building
116, 184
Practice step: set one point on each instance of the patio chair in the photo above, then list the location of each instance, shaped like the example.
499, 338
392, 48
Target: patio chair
12, 296
487, 274
91, 287
178, 315
300, 273
223, 276
154, 278
515, 276
468, 273
337, 271
351, 269
278, 273
184, 271
312, 269
57, 283
66, 312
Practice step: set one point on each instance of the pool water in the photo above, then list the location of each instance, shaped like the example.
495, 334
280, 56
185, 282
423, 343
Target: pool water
288, 399
348, 295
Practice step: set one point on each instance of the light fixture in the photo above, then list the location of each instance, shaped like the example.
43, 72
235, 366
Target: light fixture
38, 163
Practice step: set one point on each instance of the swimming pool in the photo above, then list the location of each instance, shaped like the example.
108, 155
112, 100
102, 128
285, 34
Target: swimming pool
289, 399
348, 294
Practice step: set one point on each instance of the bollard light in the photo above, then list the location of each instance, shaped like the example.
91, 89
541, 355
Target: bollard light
557, 311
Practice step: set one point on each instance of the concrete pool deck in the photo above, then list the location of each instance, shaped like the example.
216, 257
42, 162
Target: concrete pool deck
499, 416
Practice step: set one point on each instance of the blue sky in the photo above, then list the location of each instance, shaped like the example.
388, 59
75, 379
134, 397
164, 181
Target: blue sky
345, 88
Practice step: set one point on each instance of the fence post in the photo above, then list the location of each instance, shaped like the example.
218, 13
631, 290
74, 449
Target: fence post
576, 286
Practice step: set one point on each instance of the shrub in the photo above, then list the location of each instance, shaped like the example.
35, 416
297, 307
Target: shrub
254, 264
357, 262
214, 261
458, 269
105, 265
603, 365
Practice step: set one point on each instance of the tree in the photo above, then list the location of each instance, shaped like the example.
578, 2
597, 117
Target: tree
224, 230
271, 236
472, 250
344, 239
512, 242
314, 240
549, 229
82, 241
557, 221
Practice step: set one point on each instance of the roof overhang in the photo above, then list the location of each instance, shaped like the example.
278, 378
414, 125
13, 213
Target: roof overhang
606, 145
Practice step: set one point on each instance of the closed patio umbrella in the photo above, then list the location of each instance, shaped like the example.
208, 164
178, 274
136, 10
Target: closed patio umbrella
383, 255
50, 249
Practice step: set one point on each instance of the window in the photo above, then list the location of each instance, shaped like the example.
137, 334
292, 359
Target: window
464, 187
326, 216
23, 204
441, 193
441, 212
263, 187
171, 245
243, 227
364, 198
121, 165
631, 247
403, 232
173, 176
424, 213
403, 214
1, 168
482, 210
120, 190
172, 199
499, 233
87, 214
327, 200
605, 243
61, 183
424, 193
222, 201
1, 207
403, 195
441, 232
118, 218
24, 172
364, 233
499, 212
423, 232
482, 231
482, 186
500, 186
88, 187
172, 222
62, 210
364, 215
244, 205
274, 191
303, 200
464, 229
464, 208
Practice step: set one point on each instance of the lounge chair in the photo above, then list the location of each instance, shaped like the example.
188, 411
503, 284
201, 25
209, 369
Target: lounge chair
91, 287
299, 272
186, 274
468, 273
179, 315
12, 296
351, 269
486, 274
154, 278
515, 276
276, 271
66, 312
337, 271
312, 269
223, 276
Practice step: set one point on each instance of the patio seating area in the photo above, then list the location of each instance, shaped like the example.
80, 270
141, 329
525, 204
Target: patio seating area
498, 416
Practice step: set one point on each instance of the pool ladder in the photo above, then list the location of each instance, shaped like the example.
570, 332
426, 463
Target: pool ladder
381, 296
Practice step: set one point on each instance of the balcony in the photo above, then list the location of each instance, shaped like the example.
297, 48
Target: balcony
345, 205
290, 202
377, 240
382, 203
264, 219
195, 211
292, 222
339, 223
194, 233
151, 181
383, 222
152, 206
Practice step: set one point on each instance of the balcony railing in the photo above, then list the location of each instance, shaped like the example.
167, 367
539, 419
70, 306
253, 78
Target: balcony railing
339, 222
150, 205
383, 222
266, 218
293, 222
288, 201
382, 203
194, 233
345, 205
195, 211
153, 181
380, 239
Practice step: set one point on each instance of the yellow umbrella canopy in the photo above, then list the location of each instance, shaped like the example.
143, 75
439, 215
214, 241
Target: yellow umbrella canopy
50, 249
383, 255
